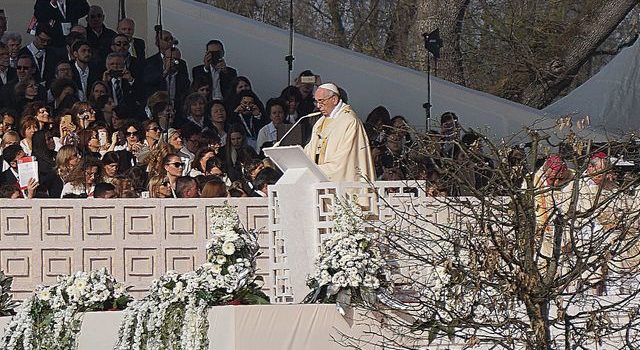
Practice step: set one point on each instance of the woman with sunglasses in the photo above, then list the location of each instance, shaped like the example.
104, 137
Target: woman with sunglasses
173, 167
41, 112
159, 187
132, 132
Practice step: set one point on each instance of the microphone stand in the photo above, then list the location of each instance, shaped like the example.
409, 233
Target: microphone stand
277, 144
290, 58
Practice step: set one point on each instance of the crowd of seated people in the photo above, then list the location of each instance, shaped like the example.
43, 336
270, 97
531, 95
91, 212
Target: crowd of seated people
106, 115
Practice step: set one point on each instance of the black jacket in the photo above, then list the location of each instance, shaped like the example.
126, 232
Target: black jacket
226, 77
45, 13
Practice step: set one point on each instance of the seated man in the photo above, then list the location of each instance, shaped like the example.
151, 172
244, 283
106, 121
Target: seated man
104, 190
187, 187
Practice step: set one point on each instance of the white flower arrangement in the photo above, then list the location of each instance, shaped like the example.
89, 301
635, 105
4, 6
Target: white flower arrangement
174, 314
52, 317
349, 262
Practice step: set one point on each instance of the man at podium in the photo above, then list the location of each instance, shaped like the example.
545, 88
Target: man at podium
339, 143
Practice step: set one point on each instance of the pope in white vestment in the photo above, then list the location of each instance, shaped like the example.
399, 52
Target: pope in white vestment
339, 143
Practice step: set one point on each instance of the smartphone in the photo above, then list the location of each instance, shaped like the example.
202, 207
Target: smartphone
308, 79
67, 123
102, 136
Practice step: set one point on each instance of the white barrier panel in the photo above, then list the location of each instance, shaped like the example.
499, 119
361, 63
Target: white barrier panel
136, 240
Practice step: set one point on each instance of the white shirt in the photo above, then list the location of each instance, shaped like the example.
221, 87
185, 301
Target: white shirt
216, 90
3, 77
84, 78
36, 54
268, 133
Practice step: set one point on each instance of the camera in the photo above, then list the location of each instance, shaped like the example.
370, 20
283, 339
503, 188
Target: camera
308, 79
247, 108
116, 73
176, 62
216, 57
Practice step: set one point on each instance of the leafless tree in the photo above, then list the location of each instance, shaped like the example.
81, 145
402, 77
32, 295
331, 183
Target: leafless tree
527, 51
536, 255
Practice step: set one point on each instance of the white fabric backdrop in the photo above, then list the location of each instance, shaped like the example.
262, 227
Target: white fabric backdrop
611, 98
257, 50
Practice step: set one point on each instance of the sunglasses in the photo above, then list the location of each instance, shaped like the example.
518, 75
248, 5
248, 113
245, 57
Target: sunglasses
177, 164
131, 133
164, 183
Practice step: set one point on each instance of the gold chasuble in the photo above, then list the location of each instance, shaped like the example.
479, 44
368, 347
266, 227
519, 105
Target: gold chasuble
340, 147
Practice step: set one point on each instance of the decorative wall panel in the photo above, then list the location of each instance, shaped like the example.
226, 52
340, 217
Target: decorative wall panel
136, 240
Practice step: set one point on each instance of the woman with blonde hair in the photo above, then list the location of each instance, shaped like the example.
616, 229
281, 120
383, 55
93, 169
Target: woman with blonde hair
66, 160
159, 187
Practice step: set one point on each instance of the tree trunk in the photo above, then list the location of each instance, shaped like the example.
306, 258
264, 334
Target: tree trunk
591, 34
447, 16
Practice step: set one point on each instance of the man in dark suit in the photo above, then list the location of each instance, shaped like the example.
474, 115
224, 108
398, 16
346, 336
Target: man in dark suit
137, 48
84, 74
42, 53
61, 15
122, 86
215, 70
167, 72
24, 69
121, 44
6, 72
98, 35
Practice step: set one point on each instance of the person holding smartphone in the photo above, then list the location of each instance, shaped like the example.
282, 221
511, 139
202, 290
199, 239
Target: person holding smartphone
215, 70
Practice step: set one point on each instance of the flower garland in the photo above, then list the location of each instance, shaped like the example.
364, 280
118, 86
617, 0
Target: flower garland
7, 304
174, 314
51, 319
350, 268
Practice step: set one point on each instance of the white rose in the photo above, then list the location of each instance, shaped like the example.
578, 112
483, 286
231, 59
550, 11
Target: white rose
216, 268
80, 283
220, 259
44, 295
228, 248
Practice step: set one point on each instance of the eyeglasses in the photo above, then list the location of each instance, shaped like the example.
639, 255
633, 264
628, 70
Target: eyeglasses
23, 68
177, 164
321, 101
131, 133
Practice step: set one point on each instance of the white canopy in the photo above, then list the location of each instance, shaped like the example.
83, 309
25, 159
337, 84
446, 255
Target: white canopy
257, 51
611, 98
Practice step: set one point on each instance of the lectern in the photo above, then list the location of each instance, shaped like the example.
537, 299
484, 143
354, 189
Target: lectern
293, 207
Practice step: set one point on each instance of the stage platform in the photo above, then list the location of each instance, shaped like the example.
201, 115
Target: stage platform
265, 327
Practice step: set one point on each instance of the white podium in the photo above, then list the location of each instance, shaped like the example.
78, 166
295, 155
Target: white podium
292, 209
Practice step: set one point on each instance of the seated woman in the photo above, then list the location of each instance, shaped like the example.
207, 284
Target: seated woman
173, 167
50, 184
269, 133
218, 119
82, 179
248, 113
198, 167
67, 159
25, 92
28, 127
193, 112
159, 187
200, 85
237, 152
214, 188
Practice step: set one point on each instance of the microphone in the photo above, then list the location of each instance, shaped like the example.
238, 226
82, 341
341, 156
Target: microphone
277, 144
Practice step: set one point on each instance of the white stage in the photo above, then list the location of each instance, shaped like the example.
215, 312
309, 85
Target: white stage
266, 327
